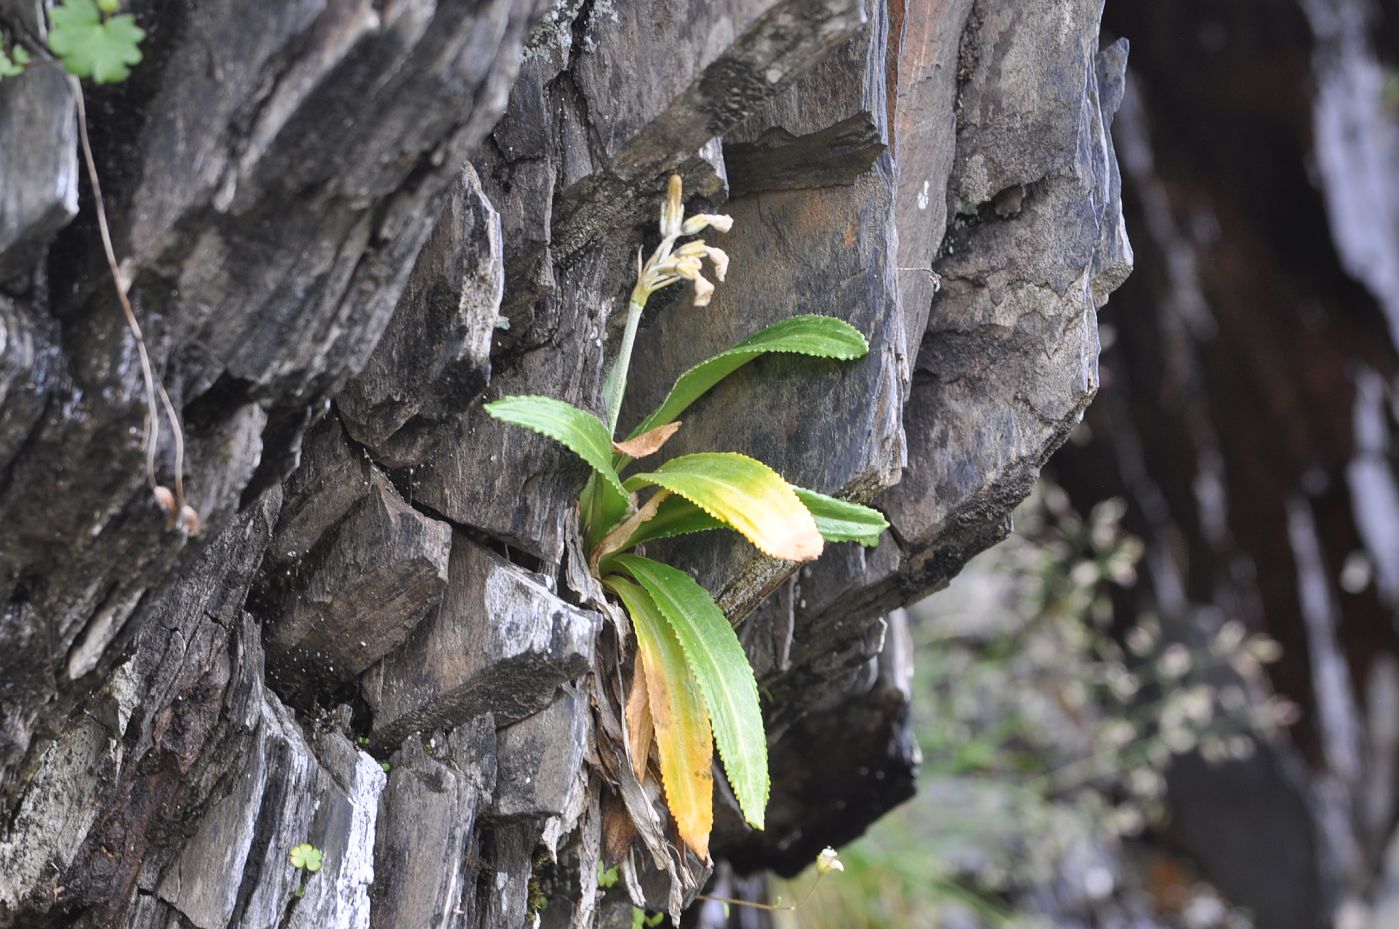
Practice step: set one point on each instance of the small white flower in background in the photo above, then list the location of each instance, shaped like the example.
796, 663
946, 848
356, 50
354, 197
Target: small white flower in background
1174, 662
828, 861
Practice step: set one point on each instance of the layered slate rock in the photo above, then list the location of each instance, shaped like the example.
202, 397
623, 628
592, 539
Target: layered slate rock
425, 876
344, 238
500, 643
434, 357
368, 587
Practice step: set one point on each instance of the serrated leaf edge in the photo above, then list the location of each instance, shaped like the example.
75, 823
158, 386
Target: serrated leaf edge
749, 679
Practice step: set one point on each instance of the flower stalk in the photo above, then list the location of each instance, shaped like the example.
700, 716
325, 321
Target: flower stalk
667, 265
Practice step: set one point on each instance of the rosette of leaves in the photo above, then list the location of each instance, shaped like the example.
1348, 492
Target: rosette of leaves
692, 687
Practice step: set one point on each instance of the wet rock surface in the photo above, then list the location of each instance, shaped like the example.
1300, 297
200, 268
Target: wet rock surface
344, 238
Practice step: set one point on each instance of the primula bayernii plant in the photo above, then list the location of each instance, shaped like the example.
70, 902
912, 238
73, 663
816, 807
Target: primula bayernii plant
692, 686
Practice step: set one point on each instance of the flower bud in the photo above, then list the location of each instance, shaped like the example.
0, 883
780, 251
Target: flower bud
164, 499
673, 209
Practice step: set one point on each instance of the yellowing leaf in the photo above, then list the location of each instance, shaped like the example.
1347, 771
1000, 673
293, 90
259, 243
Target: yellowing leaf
720, 667
648, 443
683, 737
747, 495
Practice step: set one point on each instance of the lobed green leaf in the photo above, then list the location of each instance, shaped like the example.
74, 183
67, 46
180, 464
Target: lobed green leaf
720, 667
816, 336
90, 46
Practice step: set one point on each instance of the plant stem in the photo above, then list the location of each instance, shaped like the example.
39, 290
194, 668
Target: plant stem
152, 432
619, 380
770, 907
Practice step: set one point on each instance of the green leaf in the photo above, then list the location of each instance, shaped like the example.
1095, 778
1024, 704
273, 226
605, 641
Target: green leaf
601, 510
10, 67
679, 714
720, 667
90, 46
744, 493
817, 336
306, 856
676, 516
836, 520
580, 431
842, 521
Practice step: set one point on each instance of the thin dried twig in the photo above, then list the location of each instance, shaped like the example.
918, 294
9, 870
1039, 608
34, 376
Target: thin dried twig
151, 437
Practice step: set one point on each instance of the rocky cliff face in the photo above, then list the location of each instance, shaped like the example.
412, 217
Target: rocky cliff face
344, 225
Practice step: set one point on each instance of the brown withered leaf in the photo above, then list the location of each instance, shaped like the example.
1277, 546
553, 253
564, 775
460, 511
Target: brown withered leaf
648, 443
639, 725
614, 540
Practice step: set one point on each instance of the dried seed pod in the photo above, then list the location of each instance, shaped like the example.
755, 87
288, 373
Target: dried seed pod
189, 520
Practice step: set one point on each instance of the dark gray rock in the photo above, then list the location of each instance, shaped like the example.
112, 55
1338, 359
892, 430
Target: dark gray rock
38, 144
541, 760
500, 643
331, 479
427, 819
434, 357
360, 596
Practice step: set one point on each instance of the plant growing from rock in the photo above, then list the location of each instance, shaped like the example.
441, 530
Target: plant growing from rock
692, 686
307, 859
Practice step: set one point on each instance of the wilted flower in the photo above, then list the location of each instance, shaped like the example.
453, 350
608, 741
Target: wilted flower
665, 267
701, 221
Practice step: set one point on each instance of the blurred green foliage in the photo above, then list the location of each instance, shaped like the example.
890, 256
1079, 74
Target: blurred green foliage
1046, 728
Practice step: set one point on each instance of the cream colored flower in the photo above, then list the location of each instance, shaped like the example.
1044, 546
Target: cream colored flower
669, 264
701, 221
828, 861
703, 291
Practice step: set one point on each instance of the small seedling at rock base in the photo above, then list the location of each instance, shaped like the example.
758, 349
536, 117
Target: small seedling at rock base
93, 42
692, 686
639, 919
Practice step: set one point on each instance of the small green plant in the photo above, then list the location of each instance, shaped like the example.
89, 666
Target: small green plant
639, 919
692, 686
307, 859
93, 40
608, 877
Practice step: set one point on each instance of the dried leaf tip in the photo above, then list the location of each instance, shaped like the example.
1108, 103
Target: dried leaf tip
673, 210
